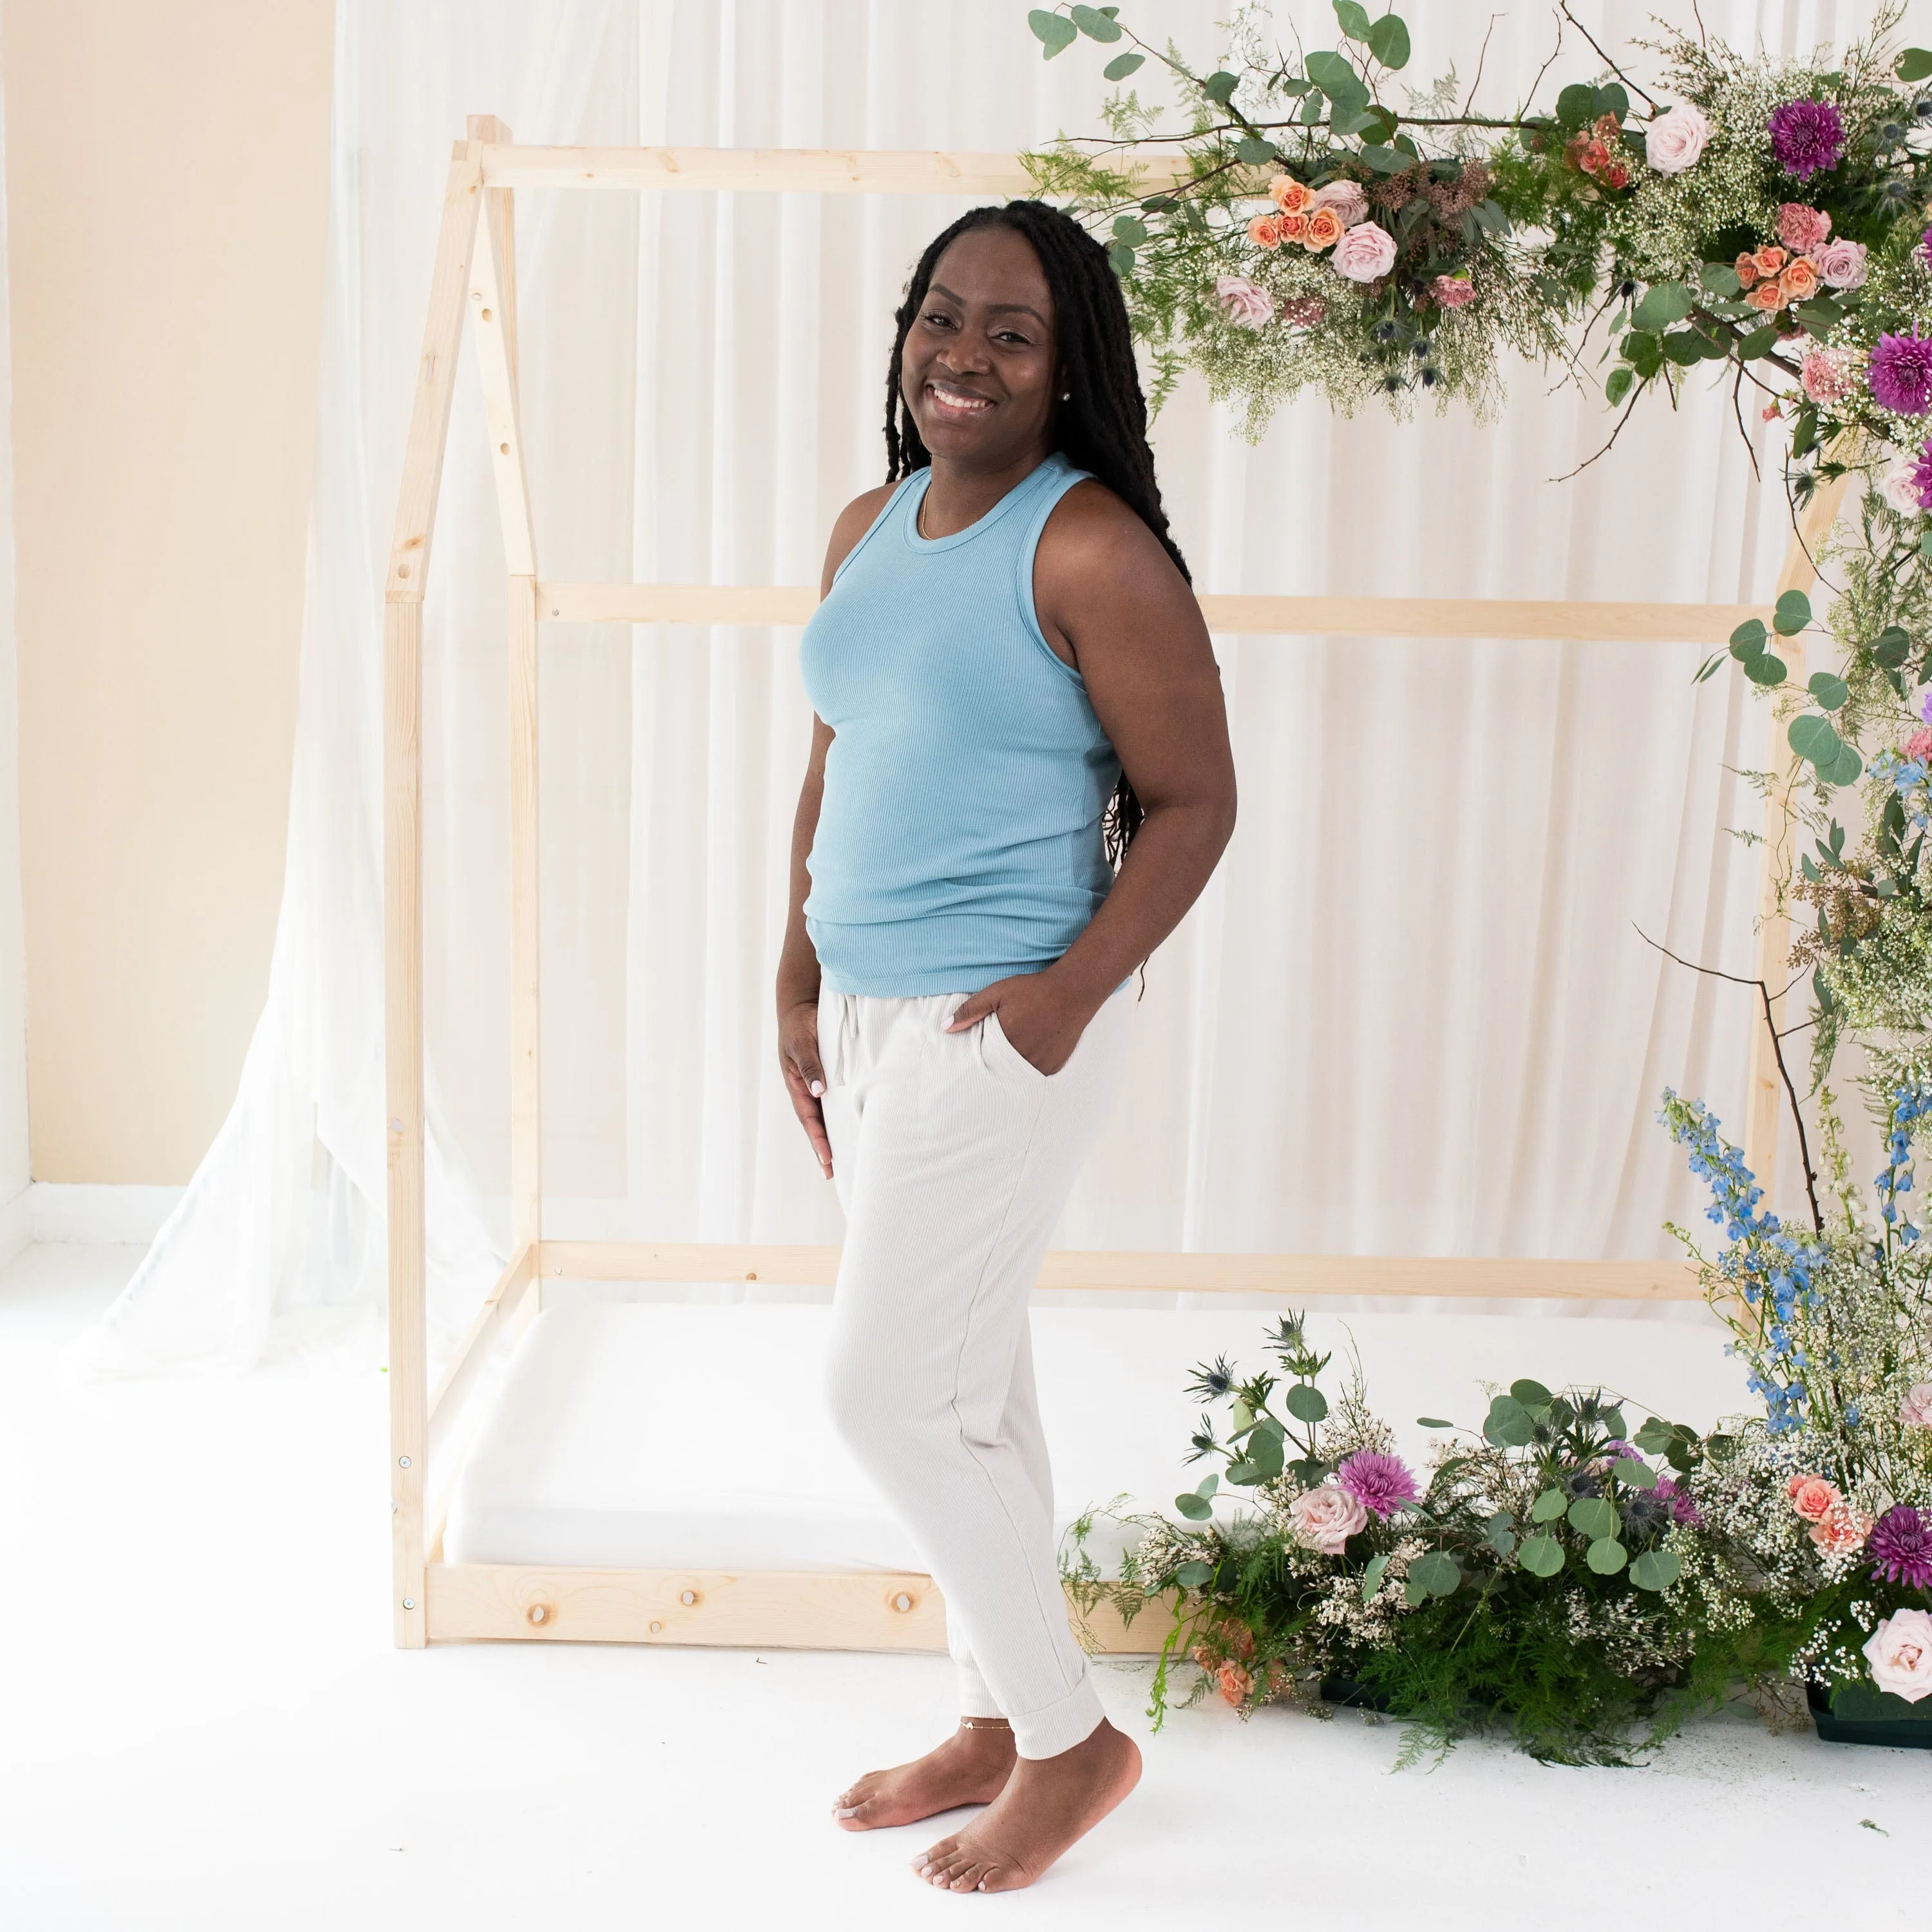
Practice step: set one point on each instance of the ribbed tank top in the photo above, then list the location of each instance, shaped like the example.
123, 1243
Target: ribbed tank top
959, 835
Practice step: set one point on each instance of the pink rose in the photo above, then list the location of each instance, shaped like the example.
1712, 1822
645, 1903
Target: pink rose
1812, 1497
1366, 254
1676, 138
1325, 1518
1915, 1412
1824, 376
1452, 291
1842, 265
1843, 1529
1919, 746
1347, 199
1900, 1653
1245, 304
1899, 487
1802, 229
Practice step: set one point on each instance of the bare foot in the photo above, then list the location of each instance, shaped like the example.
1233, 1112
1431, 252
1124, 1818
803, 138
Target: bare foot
971, 1768
1047, 1804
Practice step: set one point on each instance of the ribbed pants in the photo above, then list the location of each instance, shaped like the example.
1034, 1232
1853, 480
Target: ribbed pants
952, 1157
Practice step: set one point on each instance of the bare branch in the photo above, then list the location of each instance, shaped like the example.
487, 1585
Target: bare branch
1607, 60
1469, 98
1607, 447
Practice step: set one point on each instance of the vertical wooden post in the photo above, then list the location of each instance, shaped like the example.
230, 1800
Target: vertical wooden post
492, 310
402, 887
1766, 1100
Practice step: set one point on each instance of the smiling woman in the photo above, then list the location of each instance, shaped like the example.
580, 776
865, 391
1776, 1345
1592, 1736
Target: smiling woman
1020, 780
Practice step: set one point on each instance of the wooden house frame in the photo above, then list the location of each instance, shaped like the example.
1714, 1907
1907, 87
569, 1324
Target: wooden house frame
475, 274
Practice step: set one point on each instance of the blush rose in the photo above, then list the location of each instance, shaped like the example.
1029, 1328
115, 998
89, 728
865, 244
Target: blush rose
1325, 1518
1676, 140
1245, 304
1349, 200
1812, 1497
1841, 265
1900, 1653
1366, 254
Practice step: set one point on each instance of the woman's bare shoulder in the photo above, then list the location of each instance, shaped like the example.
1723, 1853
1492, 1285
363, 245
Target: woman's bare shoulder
854, 521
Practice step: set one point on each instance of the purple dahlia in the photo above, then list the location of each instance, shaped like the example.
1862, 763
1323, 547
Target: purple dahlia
1382, 1484
1807, 136
1922, 477
1901, 1548
1901, 374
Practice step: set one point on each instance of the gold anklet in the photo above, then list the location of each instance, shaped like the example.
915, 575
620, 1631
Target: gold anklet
984, 1724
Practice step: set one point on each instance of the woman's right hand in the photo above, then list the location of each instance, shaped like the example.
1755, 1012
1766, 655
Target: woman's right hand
804, 1075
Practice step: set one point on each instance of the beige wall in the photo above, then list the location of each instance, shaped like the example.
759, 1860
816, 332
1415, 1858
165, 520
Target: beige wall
167, 172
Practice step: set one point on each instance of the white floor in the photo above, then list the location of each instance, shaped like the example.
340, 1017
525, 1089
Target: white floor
203, 1725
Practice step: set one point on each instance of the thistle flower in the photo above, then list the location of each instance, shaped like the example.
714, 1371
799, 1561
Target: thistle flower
1901, 1548
1807, 137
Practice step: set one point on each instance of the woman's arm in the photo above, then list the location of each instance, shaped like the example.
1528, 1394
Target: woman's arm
798, 974
1110, 600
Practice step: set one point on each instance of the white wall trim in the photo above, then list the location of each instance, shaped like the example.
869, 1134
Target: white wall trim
65, 1211
17, 1228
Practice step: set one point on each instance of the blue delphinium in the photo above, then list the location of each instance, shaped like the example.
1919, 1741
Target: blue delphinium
1908, 1104
1771, 1268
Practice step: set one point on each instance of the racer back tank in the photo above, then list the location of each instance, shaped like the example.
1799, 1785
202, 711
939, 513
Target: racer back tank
959, 835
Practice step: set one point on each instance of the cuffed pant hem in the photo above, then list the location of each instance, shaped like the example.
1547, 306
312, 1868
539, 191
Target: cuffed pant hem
1059, 1726
975, 1700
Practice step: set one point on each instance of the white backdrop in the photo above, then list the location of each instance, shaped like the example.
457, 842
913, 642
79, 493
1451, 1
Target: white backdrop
1410, 1015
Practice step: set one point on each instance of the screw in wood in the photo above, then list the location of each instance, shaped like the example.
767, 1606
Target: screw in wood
402, 1461
409, 1603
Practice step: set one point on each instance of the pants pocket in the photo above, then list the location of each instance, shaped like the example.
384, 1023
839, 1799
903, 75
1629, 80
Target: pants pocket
1003, 1049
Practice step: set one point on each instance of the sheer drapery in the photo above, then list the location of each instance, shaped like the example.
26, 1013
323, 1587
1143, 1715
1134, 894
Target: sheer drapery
1410, 1014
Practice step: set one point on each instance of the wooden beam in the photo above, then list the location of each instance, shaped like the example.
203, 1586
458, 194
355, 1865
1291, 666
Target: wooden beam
1107, 1269
493, 325
460, 1373
526, 929
436, 376
790, 170
1530, 621
868, 1610
1765, 1099
403, 1015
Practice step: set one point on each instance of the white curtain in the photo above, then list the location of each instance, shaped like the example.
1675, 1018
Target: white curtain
1411, 1015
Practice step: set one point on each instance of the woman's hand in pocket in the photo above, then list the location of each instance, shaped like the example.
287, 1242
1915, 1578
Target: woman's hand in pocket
1042, 1017
805, 1074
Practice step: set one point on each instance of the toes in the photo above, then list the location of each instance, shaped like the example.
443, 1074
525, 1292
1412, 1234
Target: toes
967, 1877
936, 1854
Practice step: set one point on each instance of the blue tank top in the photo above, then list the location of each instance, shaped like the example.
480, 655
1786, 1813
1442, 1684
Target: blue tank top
959, 835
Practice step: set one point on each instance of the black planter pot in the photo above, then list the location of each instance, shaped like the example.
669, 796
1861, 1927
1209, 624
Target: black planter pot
1858, 1716
1352, 1696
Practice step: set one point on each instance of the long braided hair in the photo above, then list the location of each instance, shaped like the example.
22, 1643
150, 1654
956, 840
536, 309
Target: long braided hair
1101, 427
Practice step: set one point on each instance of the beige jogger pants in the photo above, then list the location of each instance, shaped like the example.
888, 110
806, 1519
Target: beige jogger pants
952, 1157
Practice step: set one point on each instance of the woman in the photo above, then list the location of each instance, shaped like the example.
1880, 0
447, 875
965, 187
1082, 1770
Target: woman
1012, 687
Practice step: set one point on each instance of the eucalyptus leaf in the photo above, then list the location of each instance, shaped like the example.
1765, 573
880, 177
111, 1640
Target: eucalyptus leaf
1244, 1473
1666, 303
1208, 1485
1195, 1575
1265, 1455
1611, 99
1196, 1509
1765, 669
1892, 645
1594, 1516
1353, 18
1575, 105
1606, 1556
1437, 1572
1656, 1570
1792, 614
1372, 1576
1385, 161
1811, 736
1616, 386
1644, 352
1654, 1437
1915, 64
1721, 279
1758, 342
1549, 1506
1332, 73
1830, 692
1531, 1394
1130, 229
1121, 65
1433, 1422
1122, 257
1541, 1556
1095, 24
1685, 347
1633, 1475
1305, 1402
1844, 769
1502, 1534
1254, 151
1507, 1424
1388, 41
1749, 638
1055, 31
1219, 88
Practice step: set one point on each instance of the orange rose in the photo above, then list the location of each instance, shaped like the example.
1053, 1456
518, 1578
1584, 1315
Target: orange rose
1769, 261
1799, 280
1767, 295
1235, 1682
1747, 270
1264, 231
1289, 195
1324, 230
1843, 1528
1294, 227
